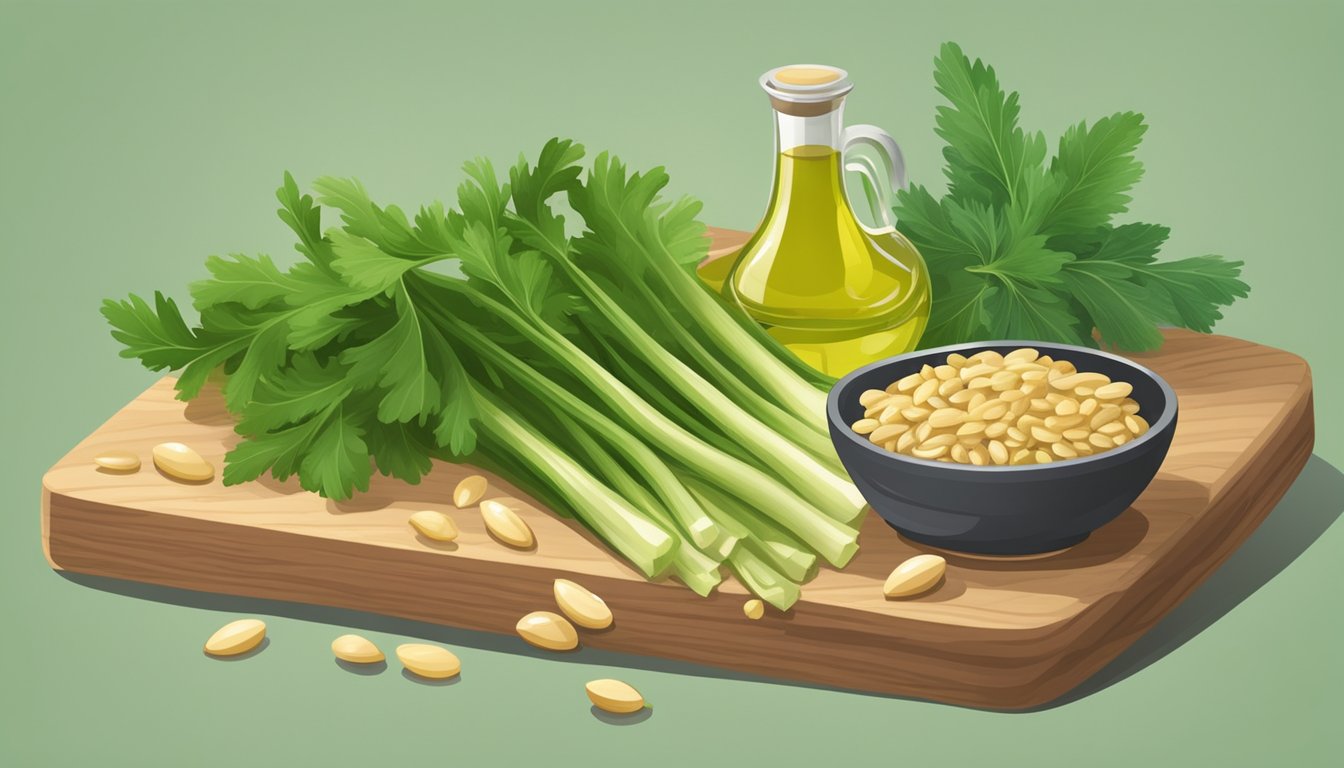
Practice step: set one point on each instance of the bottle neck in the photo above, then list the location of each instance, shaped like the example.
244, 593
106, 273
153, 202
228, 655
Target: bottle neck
824, 130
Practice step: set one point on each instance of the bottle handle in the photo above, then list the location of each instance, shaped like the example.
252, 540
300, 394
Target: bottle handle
879, 184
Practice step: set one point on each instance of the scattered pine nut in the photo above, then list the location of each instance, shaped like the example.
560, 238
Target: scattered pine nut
356, 650
236, 637
430, 661
581, 606
754, 609
118, 461
469, 491
182, 463
614, 696
506, 525
434, 525
548, 630
915, 576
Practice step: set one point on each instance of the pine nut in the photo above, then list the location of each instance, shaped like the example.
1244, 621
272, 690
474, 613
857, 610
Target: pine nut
945, 441
506, 525
434, 525
905, 442
979, 455
753, 609
614, 696
469, 491
946, 417
887, 432
924, 391
915, 414
865, 426
1114, 390
971, 428
236, 637
548, 630
950, 387
581, 606
182, 463
915, 576
989, 357
908, 383
961, 396
1107, 414
923, 431
998, 452
118, 461
1045, 435
1061, 423
871, 396
356, 650
430, 661
1022, 355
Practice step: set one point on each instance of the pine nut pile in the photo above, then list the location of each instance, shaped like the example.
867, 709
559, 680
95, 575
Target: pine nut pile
1013, 409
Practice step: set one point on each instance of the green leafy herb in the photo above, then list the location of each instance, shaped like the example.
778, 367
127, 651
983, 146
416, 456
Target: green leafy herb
595, 371
1017, 249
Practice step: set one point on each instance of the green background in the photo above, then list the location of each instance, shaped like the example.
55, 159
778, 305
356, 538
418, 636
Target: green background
136, 138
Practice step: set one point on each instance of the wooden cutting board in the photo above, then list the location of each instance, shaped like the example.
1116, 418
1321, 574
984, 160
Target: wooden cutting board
998, 633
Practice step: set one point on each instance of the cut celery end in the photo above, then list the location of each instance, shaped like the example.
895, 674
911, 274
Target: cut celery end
763, 581
701, 582
797, 565
763, 537
703, 532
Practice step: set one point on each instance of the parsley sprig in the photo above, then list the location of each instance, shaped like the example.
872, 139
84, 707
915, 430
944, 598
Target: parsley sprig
1020, 248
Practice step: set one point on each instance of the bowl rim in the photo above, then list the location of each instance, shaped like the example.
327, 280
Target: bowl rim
1163, 421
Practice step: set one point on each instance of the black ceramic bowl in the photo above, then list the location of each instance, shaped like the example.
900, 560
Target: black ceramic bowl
1002, 510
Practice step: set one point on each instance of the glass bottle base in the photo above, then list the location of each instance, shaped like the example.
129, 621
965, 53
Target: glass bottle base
838, 355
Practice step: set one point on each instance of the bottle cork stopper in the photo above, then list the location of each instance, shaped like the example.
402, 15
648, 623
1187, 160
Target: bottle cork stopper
806, 76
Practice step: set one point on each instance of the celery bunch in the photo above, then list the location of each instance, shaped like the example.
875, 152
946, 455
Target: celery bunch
595, 370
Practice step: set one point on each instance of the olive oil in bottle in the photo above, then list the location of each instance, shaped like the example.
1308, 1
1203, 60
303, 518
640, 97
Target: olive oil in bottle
837, 293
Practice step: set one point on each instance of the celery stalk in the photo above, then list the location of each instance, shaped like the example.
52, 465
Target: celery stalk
645, 544
683, 507
694, 568
822, 527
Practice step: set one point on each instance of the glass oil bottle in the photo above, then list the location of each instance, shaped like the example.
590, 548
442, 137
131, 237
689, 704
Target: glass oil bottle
835, 291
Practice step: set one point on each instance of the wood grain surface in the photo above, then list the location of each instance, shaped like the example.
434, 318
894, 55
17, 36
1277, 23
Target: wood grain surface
998, 633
